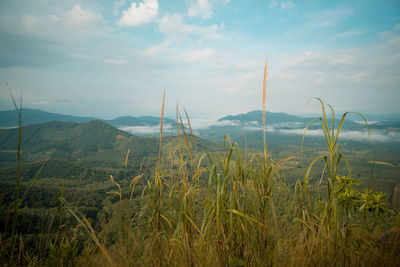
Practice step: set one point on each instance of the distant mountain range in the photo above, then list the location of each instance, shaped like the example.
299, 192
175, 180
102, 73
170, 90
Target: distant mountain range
137, 121
271, 117
250, 120
99, 142
9, 118
284, 120
34, 116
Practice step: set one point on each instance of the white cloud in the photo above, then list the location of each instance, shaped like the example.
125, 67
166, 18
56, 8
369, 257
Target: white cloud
115, 61
203, 8
393, 43
138, 14
146, 129
111, 60
175, 29
200, 8
282, 5
64, 24
54, 17
117, 6
177, 32
350, 33
78, 17
316, 58
288, 4
354, 72
376, 136
197, 55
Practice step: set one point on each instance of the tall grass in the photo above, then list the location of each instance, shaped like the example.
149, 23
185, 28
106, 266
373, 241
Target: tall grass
12, 243
233, 208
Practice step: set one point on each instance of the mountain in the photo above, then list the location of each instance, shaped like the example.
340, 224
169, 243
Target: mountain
383, 117
271, 117
94, 142
9, 118
287, 121
64, 136
138, 121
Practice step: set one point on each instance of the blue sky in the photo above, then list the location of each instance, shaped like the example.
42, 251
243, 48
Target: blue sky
111, 58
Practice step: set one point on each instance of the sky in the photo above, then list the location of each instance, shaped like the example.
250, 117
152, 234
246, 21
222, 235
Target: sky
109, 58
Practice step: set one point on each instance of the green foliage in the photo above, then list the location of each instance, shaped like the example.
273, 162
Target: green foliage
63, 253
374, 202
347, 195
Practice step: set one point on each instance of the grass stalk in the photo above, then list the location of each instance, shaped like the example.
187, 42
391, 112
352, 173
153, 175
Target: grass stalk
161, 130
264, 99
178, 135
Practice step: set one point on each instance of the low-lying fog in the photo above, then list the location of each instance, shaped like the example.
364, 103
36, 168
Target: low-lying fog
201, 127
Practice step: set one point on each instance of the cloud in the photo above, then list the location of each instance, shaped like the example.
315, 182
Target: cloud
282, 4
360, 76
350, 33
21, 50
203, 8
322, 20
282, 128
288, 4
366, 74
64, 24
146, 130
110, 60
115, 61
117, 6
376, 136
78, 17
28, 19
138, 14
177, 33
54, 17
196, 55
173, 27
200, 8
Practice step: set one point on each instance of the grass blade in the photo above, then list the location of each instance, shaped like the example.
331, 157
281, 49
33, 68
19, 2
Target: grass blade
186, 140
179, 136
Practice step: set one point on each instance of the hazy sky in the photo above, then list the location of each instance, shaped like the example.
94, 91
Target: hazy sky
109, 58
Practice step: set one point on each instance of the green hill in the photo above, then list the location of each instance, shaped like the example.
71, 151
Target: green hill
9, 118
64, 136
94, 143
